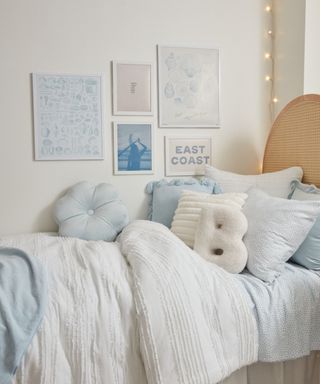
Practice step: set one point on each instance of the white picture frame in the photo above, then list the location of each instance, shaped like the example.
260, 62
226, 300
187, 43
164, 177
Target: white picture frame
187, 155
133, 148
189, 87
68, 116
132, 88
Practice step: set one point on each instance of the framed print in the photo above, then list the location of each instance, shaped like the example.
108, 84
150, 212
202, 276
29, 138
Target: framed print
189, 87
187, 155
132, 91
133, 148
68, 117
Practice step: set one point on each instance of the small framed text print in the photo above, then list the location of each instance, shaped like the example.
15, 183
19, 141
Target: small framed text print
187, 155
132, 91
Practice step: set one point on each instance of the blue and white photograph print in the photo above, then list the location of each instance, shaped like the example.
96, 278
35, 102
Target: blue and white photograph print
133, 150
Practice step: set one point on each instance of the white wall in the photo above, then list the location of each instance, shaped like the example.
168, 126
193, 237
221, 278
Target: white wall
312, 52
289, 28
80, 36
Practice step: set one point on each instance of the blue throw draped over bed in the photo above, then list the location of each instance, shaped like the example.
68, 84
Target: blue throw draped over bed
23, 294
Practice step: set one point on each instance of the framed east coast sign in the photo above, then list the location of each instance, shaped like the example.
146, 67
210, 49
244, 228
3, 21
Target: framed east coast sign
187, 155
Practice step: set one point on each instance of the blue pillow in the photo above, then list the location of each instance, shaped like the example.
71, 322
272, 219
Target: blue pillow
308, 254
165, 196
276, 228
91, 212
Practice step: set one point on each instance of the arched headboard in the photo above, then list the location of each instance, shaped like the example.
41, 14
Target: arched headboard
295, 139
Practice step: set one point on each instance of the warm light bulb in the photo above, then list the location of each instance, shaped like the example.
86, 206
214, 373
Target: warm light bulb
268, 8
268, 78
267, 55
275, 100
270, 32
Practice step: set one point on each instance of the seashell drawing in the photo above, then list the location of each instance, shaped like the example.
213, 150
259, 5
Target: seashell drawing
169, 90
47, 142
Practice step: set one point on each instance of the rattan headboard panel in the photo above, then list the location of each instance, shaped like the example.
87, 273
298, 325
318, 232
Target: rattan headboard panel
295, 139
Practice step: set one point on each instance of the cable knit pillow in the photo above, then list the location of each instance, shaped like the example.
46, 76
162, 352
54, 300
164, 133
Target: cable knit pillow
91, 212
276, 184
165, 195
276, 229
219, 236
187, 215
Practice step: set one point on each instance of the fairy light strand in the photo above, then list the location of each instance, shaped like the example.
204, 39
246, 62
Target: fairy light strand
269, 56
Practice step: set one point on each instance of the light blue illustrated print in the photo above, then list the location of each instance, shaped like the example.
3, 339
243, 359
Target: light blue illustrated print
189, 87
68, 117
134, 147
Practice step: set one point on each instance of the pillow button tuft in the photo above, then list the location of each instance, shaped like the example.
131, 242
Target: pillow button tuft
218, 251
90, 212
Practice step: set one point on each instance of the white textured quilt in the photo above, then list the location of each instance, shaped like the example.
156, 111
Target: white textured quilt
153, 313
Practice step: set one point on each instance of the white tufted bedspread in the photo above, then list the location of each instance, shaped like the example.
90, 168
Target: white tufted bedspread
170, 318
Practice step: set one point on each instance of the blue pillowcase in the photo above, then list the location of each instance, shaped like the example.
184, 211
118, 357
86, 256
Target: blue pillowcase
165, 196
91, 212
308, 254
276, 228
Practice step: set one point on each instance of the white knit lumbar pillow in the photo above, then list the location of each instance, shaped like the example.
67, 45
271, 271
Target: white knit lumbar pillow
187, 215
218, 238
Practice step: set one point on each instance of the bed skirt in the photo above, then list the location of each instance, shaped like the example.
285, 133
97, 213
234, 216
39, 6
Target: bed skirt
305, 370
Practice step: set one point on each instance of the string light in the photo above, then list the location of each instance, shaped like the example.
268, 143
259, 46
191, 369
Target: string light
269, 56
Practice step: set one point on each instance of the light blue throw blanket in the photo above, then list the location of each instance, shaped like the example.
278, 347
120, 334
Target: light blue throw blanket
287, 311
23, 295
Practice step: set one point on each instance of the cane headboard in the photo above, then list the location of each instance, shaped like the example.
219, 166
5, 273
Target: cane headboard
295, 139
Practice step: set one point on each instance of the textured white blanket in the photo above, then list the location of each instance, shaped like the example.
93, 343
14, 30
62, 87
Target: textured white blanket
186, 317
195, 325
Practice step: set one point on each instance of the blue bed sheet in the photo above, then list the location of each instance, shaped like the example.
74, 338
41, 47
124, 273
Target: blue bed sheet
287, 312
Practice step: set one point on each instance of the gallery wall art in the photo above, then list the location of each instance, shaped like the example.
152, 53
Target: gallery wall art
68, 117
189, 87
133, 148
132, 91
187, 154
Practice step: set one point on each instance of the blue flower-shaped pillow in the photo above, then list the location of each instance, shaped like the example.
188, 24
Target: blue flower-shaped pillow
91, 212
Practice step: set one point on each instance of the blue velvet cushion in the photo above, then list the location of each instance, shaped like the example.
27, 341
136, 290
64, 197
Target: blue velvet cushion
308, 254
91, 212
165, 196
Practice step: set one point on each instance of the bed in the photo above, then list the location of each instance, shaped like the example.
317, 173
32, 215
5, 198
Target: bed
169, 316
293, 140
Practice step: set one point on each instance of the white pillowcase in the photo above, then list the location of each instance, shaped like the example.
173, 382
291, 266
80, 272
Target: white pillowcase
276, 228
187, 215
276, 184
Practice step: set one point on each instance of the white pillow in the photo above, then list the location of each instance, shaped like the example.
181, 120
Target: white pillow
219, 236
187, 215
276, 228
276, 184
